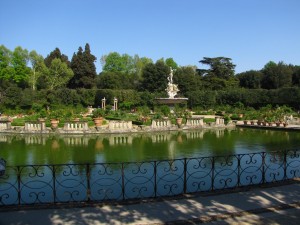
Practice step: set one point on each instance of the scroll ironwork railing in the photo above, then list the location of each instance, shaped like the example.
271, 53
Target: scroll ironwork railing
39, 184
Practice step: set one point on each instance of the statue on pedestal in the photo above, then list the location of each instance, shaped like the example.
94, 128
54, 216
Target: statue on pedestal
171, 89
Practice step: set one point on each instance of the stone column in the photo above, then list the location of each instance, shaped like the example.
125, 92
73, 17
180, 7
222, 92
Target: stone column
115, 104
103, 105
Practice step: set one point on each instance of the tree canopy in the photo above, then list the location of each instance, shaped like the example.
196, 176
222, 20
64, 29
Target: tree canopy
54, 79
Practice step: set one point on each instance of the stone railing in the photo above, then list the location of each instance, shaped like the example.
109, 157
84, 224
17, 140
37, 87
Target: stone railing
194, 122
76, 126
119, 125
5, 125
220, 121
35, 126
159, 124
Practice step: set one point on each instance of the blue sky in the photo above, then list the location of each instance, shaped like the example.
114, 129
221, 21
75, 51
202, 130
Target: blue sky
251, 32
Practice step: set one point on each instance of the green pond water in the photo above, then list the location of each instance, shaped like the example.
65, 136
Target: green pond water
63, 149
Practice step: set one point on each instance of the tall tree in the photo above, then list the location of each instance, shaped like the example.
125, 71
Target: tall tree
84, 69
38, 67
21, 71
139, 64
171, 63
114, 62
155, 77
296, 76
58, 74
250, 79
5, 62
276, 75
220, 67
187, 79
56, 54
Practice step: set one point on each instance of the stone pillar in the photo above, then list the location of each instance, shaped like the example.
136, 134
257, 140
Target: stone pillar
43, 125
103, 103
115, 104
217, 120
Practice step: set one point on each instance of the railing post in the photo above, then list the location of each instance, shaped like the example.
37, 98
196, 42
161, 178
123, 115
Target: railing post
285, 165
123, 182
19, 185
239, 170
54, 185
88, 191
212, 173
184, 176
155, 184
263, 167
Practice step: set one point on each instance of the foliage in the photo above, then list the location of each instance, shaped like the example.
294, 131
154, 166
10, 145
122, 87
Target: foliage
56, 54
155, 77
84, 69
58, 74
276, 75
220, 67
165, 110
38, 68
171, 63
250, 79
98, 113
187, 80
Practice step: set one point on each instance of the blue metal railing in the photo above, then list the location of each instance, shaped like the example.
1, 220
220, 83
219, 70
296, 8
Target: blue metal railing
98, 182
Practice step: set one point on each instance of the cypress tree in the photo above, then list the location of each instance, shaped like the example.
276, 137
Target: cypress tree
84, 69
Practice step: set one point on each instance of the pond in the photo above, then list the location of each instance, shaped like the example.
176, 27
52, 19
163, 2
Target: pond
138, 147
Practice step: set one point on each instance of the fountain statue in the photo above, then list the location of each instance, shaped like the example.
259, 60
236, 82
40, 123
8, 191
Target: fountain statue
172, 90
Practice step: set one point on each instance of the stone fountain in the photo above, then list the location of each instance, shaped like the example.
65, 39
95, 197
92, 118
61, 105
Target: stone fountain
172, 90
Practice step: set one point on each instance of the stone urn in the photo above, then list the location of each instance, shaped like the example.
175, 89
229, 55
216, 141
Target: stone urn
179, 121
54, 123
98, 121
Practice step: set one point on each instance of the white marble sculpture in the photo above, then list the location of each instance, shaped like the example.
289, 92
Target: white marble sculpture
171, 89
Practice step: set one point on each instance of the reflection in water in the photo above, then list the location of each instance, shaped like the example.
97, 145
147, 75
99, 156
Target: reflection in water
120, 140
195, 134
31, 140
54, 149
220, 133
76, 141
161, 137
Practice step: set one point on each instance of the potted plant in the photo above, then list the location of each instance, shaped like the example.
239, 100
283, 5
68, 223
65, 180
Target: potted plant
54, 119
179, 113
97, 115
270, 120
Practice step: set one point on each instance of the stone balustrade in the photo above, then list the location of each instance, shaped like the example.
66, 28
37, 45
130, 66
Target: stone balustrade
220, 121
35, 126
76, 126
119, 125
5, 125
194, 122
159, 124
